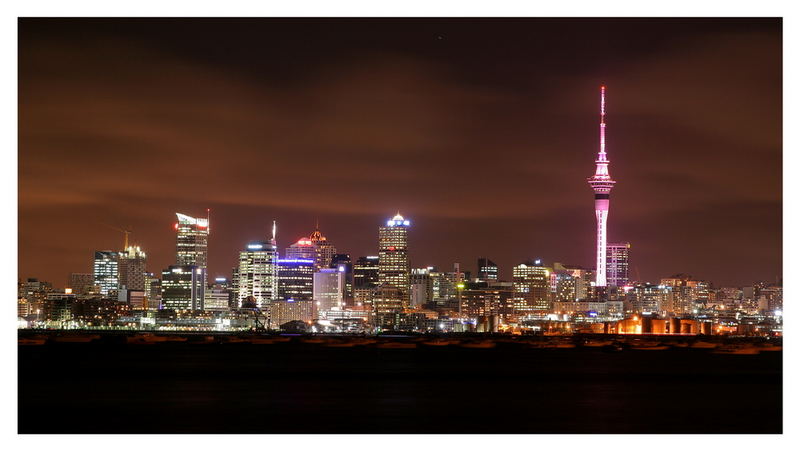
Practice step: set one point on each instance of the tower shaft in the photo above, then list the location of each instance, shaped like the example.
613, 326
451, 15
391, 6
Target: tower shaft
602, 184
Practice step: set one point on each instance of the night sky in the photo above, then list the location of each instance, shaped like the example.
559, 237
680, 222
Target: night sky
481, 131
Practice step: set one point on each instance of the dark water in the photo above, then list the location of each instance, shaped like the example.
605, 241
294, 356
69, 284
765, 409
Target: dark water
111, 387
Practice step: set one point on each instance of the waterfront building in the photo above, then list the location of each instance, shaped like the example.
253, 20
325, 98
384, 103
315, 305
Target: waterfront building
257, 275
218, 296
329, 288
288, 310
295, 279
531, 287
183, 287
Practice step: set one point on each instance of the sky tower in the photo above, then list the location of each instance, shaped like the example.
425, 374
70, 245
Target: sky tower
601, 183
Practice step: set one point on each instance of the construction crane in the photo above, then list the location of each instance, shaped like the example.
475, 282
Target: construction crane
126, 233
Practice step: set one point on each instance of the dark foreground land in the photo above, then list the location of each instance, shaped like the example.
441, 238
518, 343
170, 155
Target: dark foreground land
360, 385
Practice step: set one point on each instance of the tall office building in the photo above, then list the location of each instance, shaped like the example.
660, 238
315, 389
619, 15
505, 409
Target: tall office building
342, 262
258, 273
487, 270
421, 282
295, 279
617, 269
132, 262
531, 287
192, 240
601, 184
365, 279
301, 249
106, 271
323, 250
218, 295
152, 286
583, 279
329, 288
183, 287
393, 267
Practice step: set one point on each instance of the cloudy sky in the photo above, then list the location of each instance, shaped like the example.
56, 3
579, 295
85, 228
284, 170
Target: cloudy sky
481, 131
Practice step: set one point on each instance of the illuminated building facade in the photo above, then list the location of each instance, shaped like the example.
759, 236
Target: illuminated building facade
323, 250
487, 270
601, 184
301, 249
32, 295
487, 301
258, 273
183, 287
329, 288
132, 263
531, 287
393, 266
153, 291
646, 298
687, 293
295, 279
192, 241
218, 296
421, 287
365, 279
342, 262
106, 271
284, 311
617, 264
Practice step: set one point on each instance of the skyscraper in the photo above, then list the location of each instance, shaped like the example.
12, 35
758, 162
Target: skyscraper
487, 270
617, 264
342, 262
302, 249
393, 269
329, 288
258, 273
132, 262
602, 184
183, 287
323, 250
365, 279
192, 240
295, 279
106, 271
531, 287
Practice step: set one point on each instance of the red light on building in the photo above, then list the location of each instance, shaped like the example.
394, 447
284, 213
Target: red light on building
176, 226
391, 248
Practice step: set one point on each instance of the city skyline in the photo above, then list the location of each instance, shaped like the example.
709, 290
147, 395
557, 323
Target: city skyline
524, 137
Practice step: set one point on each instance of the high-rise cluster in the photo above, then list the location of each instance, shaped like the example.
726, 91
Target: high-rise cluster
313, 283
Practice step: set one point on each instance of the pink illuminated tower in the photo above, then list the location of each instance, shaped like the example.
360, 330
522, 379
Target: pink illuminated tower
601, 183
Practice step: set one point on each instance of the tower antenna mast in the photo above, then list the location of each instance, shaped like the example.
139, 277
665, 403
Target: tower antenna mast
601, 184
